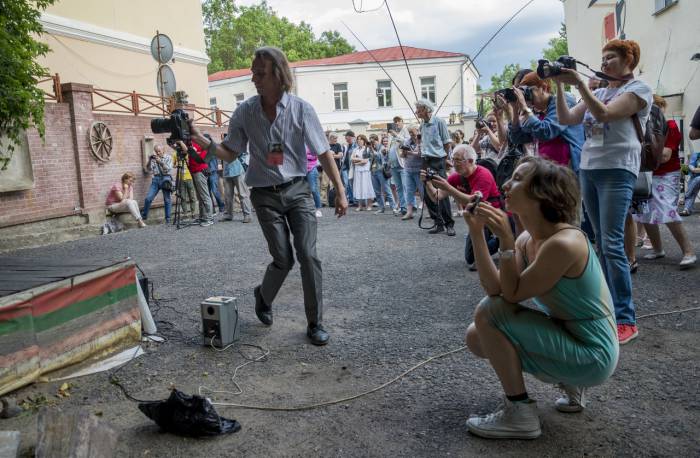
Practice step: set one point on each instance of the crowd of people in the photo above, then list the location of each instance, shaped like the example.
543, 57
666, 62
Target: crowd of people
546, 182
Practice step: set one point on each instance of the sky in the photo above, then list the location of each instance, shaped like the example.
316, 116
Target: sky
446, 25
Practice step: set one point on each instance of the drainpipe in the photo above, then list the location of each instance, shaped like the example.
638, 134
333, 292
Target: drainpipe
461, 86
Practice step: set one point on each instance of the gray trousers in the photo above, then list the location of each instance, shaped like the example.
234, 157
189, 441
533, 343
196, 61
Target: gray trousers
280, 213
201, 185
187, 196
230, 185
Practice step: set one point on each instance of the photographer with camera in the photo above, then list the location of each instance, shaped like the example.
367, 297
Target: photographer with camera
199, 169
536, 121
569, 337
185, 189
610, 160
396, 162
436, 143
485, 140
468, 180
380, 180
159, 166
274, 126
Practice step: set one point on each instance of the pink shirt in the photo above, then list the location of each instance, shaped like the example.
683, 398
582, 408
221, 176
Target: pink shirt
112, 197
311, 160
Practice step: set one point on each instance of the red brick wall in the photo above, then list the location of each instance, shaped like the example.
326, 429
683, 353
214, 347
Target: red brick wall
66, 175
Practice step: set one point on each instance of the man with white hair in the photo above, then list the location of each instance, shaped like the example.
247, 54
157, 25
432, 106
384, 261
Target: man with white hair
435, 144
468, 179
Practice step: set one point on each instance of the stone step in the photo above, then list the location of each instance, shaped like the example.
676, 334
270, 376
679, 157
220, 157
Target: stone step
61, 234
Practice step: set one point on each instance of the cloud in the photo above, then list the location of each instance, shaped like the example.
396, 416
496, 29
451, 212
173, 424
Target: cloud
447, 25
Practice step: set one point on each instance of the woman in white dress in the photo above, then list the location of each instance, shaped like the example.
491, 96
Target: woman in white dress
362, 188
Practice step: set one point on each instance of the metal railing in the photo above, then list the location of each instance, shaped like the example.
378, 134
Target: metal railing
118, 102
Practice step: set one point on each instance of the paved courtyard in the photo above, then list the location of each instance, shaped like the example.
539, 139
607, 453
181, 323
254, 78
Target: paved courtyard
394, 296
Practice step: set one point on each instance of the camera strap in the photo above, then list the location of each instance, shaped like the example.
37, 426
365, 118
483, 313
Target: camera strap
603, 76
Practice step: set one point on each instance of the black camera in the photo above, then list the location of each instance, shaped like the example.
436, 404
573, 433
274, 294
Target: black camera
431, 173
480, 124
508, 94
547, 69
176, 125
527, 93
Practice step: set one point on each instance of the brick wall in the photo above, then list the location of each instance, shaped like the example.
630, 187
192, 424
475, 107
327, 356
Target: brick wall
66, 174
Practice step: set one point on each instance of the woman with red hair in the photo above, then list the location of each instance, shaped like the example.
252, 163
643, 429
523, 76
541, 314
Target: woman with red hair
610, 161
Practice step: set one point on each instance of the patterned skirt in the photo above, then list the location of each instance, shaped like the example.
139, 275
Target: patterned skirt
663, 205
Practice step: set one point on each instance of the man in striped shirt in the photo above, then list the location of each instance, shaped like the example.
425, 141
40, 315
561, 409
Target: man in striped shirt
275, 126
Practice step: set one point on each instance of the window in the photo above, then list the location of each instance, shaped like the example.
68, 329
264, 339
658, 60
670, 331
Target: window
340, 96
662, 5
427, 88
239, 99
384, 93
212, 101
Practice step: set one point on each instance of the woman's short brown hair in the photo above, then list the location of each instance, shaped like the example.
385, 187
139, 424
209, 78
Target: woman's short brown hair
628, 49
363, 137
659, 101
555, 187
127, 176
533, 80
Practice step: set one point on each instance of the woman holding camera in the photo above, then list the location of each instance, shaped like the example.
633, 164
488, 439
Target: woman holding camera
610, 161
570, 337
485, 140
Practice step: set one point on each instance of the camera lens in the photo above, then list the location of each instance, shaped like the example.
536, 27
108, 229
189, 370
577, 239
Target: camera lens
161, 125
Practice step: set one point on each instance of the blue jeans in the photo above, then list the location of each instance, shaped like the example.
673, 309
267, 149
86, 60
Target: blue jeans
312, 178
691, 193
348, 186
396, 175
607, 194
152, 193
411, 184
382, 189
213, 180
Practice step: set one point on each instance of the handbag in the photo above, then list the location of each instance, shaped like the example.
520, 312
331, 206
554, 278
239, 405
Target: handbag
167, 183
642, 187
386, 169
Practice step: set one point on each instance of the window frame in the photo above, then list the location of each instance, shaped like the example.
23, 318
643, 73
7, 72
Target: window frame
434, 85
338, 96
236, 100
384, 97
667, 5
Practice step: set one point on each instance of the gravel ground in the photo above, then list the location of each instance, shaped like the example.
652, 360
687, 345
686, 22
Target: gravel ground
394, 296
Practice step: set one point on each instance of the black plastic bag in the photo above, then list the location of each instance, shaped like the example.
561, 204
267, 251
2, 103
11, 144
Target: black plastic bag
187, 415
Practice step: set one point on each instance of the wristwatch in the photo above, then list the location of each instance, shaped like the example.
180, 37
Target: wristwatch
528, 111
506, 254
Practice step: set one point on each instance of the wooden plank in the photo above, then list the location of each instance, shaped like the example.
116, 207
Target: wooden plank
76, 434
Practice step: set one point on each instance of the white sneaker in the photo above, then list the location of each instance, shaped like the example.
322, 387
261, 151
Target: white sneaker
655, 255
515, 420
688, 261
319, 213
574, 399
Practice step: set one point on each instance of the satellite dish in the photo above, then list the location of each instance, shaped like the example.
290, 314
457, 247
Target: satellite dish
162, 48
166, 81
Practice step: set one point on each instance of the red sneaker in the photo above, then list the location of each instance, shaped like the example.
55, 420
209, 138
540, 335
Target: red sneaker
626, 332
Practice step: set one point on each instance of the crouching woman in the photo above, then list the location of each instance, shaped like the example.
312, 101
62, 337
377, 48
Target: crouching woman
569, 337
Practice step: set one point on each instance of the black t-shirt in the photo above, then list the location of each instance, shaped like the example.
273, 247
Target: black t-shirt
337, 148
695, 123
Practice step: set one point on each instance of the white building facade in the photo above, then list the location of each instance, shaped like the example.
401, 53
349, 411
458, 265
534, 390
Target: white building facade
350, 90
668, 34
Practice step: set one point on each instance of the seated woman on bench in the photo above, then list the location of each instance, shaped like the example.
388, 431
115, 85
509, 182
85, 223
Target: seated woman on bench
568, 336
120, 198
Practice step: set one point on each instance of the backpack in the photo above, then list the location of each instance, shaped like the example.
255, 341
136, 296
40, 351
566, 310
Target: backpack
488, 164
653, 139
507, 165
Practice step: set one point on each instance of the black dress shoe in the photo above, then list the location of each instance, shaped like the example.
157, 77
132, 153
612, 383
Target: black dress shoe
451, 231
262, 310
317, 335
436, 230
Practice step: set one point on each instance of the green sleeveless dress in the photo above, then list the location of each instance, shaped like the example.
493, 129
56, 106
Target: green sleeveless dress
572, 336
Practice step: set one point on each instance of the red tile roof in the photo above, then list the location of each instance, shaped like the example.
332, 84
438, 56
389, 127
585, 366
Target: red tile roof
361, 57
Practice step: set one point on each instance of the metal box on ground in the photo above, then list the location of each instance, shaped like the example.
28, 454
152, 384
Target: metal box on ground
219, 320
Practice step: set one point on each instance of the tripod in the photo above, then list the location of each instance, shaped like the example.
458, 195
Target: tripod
179, 178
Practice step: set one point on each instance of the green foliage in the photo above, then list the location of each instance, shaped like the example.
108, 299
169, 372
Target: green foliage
21, 101
558, 46
505, 78
232, 34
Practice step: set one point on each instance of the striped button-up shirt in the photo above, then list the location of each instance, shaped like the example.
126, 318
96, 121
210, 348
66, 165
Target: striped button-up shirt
295, 127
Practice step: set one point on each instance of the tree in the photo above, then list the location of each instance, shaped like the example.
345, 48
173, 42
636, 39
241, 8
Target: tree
558, 46
233, 32
505, 79
21, 101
